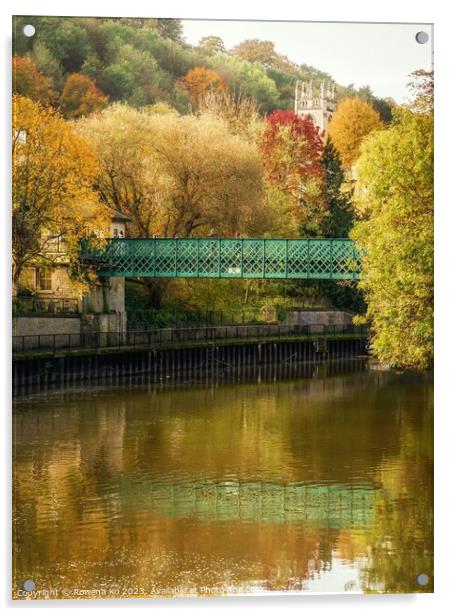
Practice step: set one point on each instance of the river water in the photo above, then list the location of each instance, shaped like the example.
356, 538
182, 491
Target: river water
317, 479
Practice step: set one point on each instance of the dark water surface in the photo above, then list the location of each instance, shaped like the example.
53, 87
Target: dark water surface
317, 480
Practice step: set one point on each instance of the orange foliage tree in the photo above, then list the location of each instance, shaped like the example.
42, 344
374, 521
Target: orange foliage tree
353, 120
81, 97
28, 81
54, 170
200, 80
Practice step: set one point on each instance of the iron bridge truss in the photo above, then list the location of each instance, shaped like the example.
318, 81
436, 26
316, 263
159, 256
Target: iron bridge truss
331, 259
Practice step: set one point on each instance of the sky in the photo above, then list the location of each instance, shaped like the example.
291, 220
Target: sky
378, 55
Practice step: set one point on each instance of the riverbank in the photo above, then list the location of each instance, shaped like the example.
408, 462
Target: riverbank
47, 369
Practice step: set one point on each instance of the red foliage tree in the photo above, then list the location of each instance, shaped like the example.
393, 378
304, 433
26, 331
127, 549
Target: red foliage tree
291, 145
291, 151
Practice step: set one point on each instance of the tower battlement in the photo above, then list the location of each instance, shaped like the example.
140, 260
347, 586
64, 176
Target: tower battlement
320, 107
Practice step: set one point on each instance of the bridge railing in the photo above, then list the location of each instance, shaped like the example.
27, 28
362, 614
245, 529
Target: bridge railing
333, 259
156, 338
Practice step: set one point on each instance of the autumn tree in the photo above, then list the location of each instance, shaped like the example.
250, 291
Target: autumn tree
176, 175
29, 82
199, 80
255, 50
241, 113
421, 85
291, 148
353, 120
81, 97
212, 44
394, 194
53, 174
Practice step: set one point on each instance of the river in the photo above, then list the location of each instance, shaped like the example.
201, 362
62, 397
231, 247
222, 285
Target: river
316, 479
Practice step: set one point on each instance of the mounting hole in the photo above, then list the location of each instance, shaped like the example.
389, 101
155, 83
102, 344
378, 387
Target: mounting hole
421, 37
28, 585
29, 30
422, 579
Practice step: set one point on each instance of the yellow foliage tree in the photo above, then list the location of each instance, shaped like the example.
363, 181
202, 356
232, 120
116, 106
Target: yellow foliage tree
53, 174
353, 120
175, 175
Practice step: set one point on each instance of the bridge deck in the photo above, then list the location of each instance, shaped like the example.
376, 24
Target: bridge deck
333, 259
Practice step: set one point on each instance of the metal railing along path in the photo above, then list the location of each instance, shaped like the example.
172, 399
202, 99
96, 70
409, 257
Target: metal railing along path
155, 338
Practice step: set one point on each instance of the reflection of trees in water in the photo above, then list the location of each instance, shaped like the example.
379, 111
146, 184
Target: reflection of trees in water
93, 477
401, 538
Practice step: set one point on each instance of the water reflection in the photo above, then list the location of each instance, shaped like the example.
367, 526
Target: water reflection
298, 484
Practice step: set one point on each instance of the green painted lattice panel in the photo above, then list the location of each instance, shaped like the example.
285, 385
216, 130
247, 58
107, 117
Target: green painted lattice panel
208, 500
336, 259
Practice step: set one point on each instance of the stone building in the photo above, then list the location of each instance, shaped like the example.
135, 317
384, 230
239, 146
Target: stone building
319, 106
48, 301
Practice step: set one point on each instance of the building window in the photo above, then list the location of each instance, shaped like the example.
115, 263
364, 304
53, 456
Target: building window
44, 279
117, 232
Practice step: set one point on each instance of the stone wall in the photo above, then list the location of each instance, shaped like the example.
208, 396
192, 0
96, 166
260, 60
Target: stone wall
318, 317
33, 326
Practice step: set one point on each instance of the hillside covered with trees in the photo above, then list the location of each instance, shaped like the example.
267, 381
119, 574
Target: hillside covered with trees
144, 61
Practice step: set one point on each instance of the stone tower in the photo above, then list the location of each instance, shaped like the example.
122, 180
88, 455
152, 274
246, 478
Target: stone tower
320, 107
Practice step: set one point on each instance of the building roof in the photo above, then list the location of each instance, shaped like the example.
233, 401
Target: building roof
118, 216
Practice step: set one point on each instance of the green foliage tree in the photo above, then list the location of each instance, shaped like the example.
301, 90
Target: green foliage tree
170, 29
383, 106
48, 65
248, 78
394, 194
66, 39
118, 81
339, 221
212, 44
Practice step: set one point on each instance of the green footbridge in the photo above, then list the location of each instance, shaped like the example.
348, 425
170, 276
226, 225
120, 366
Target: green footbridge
330, 259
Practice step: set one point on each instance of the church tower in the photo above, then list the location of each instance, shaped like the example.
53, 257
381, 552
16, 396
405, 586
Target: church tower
319, 107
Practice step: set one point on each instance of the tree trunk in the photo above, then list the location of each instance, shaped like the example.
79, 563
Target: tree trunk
156, 290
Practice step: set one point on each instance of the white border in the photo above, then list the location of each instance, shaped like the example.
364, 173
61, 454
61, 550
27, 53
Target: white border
415, 11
